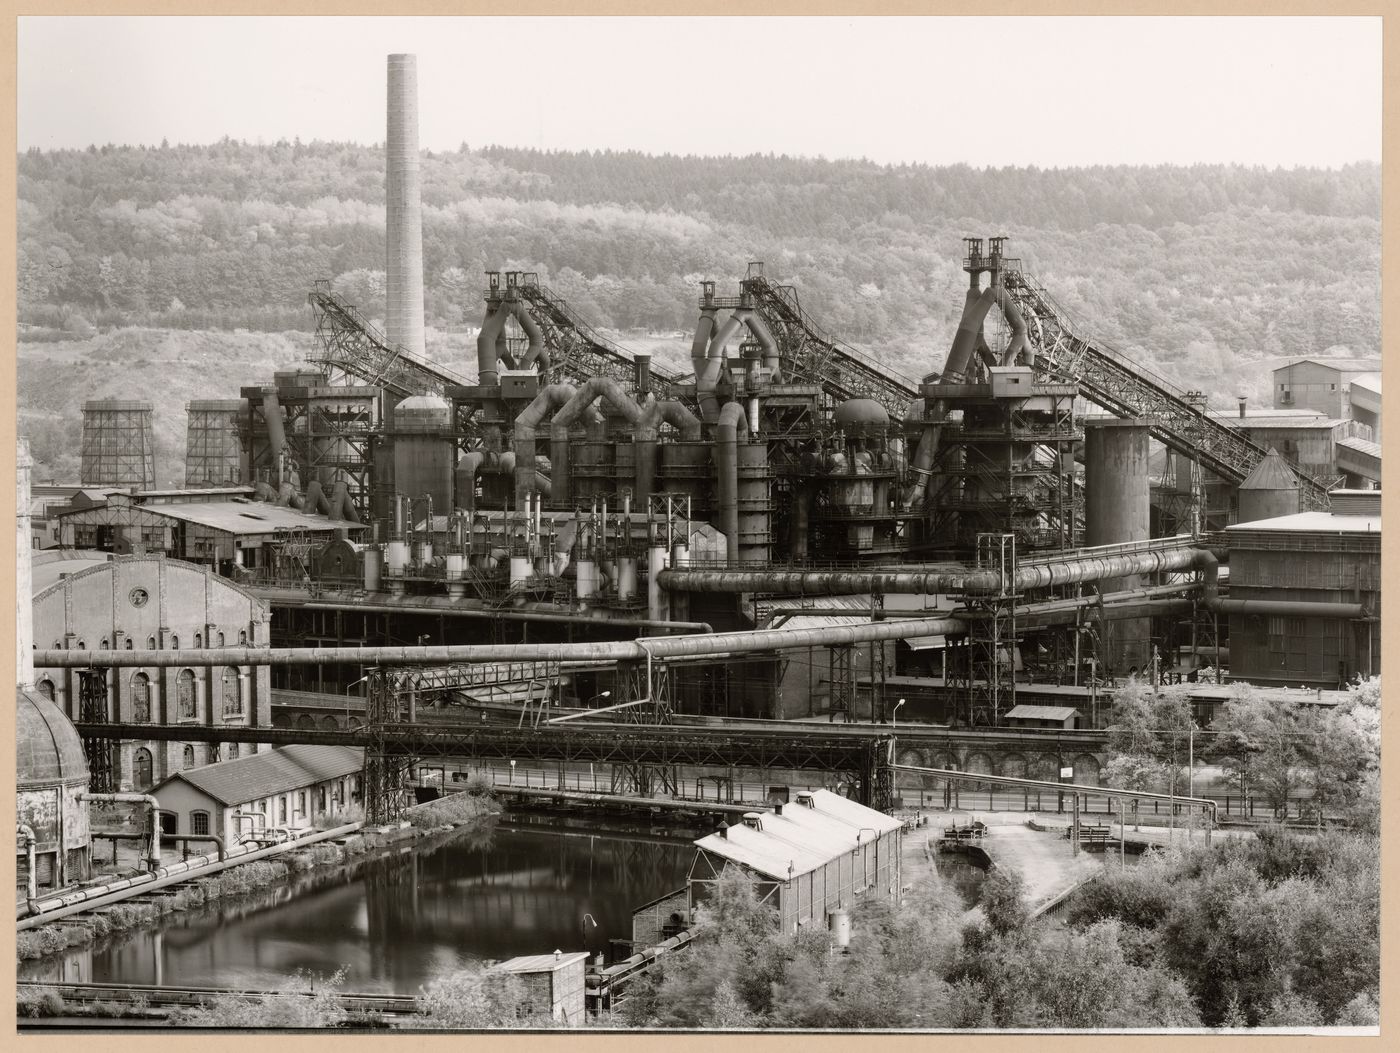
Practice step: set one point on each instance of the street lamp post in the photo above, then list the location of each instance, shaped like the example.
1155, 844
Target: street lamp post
357, 683
587, 921
512, 771
600, 694
894, 714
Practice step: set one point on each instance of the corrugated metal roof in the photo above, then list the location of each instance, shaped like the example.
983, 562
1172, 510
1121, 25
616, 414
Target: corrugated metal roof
249, 517
50, 572
822, 621
802, 838
1272, 473
1346, 365
260, 775
1042, 712
539, 963
1366, 446
1318, 522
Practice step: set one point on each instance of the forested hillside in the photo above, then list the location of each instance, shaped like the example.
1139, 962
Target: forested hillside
1200, 271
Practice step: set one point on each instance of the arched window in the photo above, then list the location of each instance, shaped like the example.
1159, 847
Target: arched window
199, 822
221, 639
46, 688
242, 637
82, 645
232, 696
233, 751
130, 644
141, 769
174, 642
188, 759
185, 695
104, 643
198, 641
141, 697
150, 643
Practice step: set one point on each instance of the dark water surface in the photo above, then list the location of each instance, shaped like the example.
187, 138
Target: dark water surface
398, 921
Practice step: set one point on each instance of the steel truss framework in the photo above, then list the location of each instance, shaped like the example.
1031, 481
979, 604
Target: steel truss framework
92, 708
349, 345
992, 633
578, 353
810, 356
396, 743
1125, 388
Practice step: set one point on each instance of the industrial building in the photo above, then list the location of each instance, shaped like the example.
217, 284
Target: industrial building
85, 600
1345, 388
817, 855
787, 487
289, 788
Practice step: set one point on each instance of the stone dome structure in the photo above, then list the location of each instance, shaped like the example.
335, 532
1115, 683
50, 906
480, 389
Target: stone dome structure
51, 771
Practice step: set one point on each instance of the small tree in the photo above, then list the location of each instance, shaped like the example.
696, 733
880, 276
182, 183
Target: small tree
1260, 743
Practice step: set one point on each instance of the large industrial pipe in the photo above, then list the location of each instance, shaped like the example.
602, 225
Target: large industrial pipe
550, 399
276, 434
704, 330
342, 505
731, 419
654, 414
594, 389
659, 647
464, 479
759, 328
487, 373
1018, 341
965, 340
316, 499
714, 363
535, 349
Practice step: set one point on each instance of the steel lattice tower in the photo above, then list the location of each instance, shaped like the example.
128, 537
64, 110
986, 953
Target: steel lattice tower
117, 445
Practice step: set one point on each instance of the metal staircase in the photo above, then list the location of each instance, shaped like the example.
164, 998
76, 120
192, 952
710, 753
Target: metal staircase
349, 345
1127, 389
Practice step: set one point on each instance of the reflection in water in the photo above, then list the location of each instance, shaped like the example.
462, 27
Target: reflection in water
397, 921
966, 877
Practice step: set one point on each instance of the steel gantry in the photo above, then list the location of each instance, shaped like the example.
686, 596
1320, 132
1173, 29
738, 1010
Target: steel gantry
93, 709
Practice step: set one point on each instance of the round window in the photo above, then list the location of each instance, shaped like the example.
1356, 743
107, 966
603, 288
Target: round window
139, 597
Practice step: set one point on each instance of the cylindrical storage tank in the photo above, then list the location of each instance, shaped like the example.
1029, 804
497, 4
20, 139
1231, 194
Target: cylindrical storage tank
755, 506
840, 925
519, 569
1117, 509
456, 571
641, 373
397, 558
585, 578
1270, 491
423, 553
372, 557
425, 455
626, 577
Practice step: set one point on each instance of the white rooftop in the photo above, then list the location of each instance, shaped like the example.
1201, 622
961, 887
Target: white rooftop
1315, 522
802, 838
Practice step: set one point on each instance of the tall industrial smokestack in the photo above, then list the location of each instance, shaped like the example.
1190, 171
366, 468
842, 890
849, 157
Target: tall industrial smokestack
404, 207
24, 593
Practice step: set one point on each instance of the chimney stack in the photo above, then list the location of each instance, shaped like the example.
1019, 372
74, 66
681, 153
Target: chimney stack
404, 208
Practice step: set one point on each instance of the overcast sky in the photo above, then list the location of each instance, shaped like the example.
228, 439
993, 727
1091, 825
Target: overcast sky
986, 91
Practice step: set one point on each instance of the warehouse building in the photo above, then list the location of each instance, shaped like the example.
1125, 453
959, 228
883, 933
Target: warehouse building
1321, 573
288, 789
819, 854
